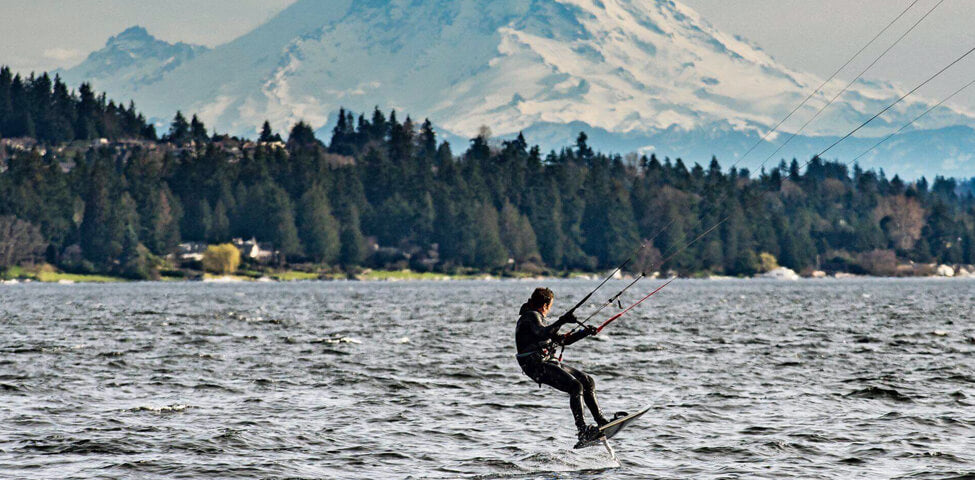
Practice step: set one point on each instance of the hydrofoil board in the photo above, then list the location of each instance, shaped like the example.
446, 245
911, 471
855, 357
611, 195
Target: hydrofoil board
611, 429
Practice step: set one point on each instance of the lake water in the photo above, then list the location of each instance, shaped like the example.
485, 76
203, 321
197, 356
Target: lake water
746, 379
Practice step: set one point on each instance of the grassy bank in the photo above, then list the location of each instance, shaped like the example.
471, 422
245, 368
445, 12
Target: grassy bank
54, 277
46, 274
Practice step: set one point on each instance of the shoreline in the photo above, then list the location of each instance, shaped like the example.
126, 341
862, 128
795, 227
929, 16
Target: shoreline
385, 276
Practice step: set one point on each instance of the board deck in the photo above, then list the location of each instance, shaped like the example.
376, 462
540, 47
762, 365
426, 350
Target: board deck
612, 428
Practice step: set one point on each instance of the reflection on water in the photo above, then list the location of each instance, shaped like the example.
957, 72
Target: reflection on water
826, 379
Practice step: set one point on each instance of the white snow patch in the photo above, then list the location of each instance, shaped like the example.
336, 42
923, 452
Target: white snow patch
626, 66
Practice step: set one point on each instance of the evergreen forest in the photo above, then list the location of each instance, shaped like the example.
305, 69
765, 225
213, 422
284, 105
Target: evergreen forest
87, 185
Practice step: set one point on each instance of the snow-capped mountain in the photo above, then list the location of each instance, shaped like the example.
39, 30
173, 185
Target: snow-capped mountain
635, 74
132, 59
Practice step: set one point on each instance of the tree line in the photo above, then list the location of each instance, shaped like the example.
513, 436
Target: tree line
43, 108
387, 193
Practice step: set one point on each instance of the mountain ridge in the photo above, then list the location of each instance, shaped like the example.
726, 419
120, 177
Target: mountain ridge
642, 72
132, 57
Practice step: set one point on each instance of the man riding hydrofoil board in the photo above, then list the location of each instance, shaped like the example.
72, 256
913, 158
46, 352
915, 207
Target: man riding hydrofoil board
538, 344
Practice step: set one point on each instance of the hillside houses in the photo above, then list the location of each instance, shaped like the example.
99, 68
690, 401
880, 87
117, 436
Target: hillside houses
260, 252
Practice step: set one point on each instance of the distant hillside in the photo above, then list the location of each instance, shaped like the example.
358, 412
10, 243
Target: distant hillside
385, 192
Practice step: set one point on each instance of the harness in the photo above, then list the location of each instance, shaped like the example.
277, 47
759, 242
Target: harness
544, 354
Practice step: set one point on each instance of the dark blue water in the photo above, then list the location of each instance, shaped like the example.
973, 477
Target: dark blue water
746, 379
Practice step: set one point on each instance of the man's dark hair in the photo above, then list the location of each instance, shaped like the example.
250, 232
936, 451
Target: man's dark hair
540, 297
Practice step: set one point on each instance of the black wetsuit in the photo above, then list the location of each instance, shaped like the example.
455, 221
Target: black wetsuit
537, 355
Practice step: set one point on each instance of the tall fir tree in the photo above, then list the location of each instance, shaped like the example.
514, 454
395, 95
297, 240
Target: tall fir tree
353, 249
103, 228
179, 130
317, 228
489, 251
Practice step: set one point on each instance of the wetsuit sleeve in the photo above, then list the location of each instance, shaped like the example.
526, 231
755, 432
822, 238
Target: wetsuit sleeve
577, 335
567, 318
554, 328
540, 330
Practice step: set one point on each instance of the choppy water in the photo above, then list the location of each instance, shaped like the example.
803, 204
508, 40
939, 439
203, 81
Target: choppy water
747, 379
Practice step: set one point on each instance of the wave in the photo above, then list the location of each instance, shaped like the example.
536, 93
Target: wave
939, 455
337, 339
22, 349
113, 353
880, 393
55, 445
176, 407
565, 460
759, 430
782, 446
722, 450
214, 386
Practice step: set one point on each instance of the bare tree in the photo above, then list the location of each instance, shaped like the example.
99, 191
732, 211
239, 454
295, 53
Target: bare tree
20, 241
903, 217
878, 262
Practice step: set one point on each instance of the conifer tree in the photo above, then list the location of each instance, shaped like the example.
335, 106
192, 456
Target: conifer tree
317, 228
179, 130
427, 140
102, 228
546, 218
39, 103
220, 225
63, 113
204, 226
163, 221
378, 128
353, 249
6, 108
343, 135
198, 131
582, 147
86, 121
197, 219
268, 135
425, 216
517, 235
489, 251
302, 136
133, 261
280, 226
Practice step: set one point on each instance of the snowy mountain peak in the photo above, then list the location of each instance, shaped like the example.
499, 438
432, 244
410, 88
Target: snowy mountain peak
131, 60
639, 74
135, 33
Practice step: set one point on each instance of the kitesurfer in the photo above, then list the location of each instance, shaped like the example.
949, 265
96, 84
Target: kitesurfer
538, 345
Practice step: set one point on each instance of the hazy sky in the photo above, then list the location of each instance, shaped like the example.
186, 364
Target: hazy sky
820, 35
46, 34
809, 35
